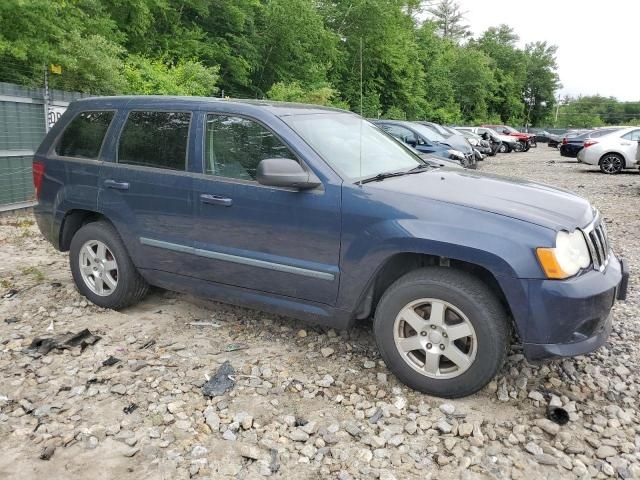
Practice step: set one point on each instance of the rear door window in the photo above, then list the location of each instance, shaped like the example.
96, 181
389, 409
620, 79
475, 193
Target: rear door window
84, 135
155, 139
633, 135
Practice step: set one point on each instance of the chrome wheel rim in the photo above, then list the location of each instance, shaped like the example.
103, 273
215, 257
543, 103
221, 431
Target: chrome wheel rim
435, 338
503, 148
611, 164
98, 268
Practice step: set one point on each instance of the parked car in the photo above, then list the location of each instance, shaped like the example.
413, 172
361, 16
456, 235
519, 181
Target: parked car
424, 140
526, 139
507, 142
486, 147
612, 151
572, 143
454, 138
314, 213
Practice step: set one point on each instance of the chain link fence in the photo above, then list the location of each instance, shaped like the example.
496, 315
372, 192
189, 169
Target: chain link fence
23, 125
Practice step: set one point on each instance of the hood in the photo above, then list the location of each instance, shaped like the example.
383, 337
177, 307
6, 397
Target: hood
458, 142
531, 202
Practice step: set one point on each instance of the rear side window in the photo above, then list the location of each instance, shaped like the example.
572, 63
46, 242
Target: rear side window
155, 139
84, 135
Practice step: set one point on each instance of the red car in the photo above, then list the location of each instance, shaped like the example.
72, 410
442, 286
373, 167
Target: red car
527, 140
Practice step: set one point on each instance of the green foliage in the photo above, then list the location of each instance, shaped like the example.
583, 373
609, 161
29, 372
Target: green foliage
597, 111
153, 77
293, 50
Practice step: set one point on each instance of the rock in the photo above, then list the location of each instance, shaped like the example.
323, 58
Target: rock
378, 442
213, 421
250, 451
546, 459
130, 451
298, 435
537, 396
447, 408
302, 333
199, 451
443, 426
308, 451
175, 407
533, 449
606, 451
465, 429
410, 428
547, 425
229, 435
119, 388
369, 364
327, 351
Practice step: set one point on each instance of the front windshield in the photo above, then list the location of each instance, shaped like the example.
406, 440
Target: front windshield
351, 145
510, 129
427, 133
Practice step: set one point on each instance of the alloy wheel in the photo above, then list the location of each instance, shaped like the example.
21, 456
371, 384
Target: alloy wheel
435, 338
98, 268
611, 164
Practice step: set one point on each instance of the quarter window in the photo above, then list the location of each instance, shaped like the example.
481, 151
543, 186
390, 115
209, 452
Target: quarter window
234, 146
155, 139
633, 135
84, 135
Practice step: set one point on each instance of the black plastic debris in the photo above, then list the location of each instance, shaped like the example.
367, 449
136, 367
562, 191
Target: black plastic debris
221, 382
56, 284
47, 453
110, 361
130, 408
558, 415
11, 320
42, 346
10, 293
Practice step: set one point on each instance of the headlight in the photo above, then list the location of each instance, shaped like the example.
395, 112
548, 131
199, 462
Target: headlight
567, 258
455, 154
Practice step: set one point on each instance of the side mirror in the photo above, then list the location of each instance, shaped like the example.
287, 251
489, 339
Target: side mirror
284, 172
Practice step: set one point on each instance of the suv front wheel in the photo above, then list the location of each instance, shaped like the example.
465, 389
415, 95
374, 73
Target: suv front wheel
442, 332
102, 269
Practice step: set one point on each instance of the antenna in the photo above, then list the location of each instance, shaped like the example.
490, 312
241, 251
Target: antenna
361, 119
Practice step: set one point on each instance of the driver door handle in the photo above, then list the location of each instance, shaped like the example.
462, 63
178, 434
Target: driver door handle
116, 185
216, 200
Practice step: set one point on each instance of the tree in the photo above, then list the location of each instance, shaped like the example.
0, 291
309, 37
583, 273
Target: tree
541, 81
449, 18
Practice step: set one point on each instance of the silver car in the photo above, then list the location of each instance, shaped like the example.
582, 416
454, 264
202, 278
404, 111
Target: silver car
613, 152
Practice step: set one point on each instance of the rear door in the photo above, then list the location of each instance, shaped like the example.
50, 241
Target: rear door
145, 189
270, 239
630, 144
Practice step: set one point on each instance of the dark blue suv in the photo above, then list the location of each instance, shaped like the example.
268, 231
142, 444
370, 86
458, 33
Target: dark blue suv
317, 214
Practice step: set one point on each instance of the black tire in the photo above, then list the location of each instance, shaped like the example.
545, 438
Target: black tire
504, 148
611, 163
130, 287
468, 294
526, 146
519, 147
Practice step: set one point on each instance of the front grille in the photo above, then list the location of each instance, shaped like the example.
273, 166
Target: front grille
598, 243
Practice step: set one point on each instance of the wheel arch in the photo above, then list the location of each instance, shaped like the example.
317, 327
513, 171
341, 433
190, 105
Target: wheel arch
73, 221
400, 264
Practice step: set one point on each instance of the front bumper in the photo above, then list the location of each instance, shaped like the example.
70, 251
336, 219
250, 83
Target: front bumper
572, 317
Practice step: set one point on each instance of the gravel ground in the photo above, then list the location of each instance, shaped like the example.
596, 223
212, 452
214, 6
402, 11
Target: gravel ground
308, 402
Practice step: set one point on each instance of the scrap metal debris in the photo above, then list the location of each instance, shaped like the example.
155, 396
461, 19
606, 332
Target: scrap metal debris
130, 408
10, 293
110, 361
221, 382
42, 346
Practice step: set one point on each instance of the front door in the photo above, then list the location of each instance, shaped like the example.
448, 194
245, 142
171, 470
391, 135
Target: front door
145, 189
276, 240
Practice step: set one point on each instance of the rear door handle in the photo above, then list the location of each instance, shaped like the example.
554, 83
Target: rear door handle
116, 185
216, 200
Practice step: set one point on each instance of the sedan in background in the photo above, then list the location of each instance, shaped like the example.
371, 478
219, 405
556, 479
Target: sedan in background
613, 151
424, 140
572, 144
453, 137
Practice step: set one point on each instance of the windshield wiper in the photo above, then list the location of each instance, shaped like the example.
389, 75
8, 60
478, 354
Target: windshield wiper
382, 176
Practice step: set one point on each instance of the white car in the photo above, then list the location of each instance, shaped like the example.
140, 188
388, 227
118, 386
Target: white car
509, 143
613, 152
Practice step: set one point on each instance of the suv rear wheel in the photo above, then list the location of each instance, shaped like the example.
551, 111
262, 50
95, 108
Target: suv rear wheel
102, 269
441, 332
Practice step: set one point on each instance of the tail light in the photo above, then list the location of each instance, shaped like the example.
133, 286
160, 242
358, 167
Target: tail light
38, 174
589, 143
